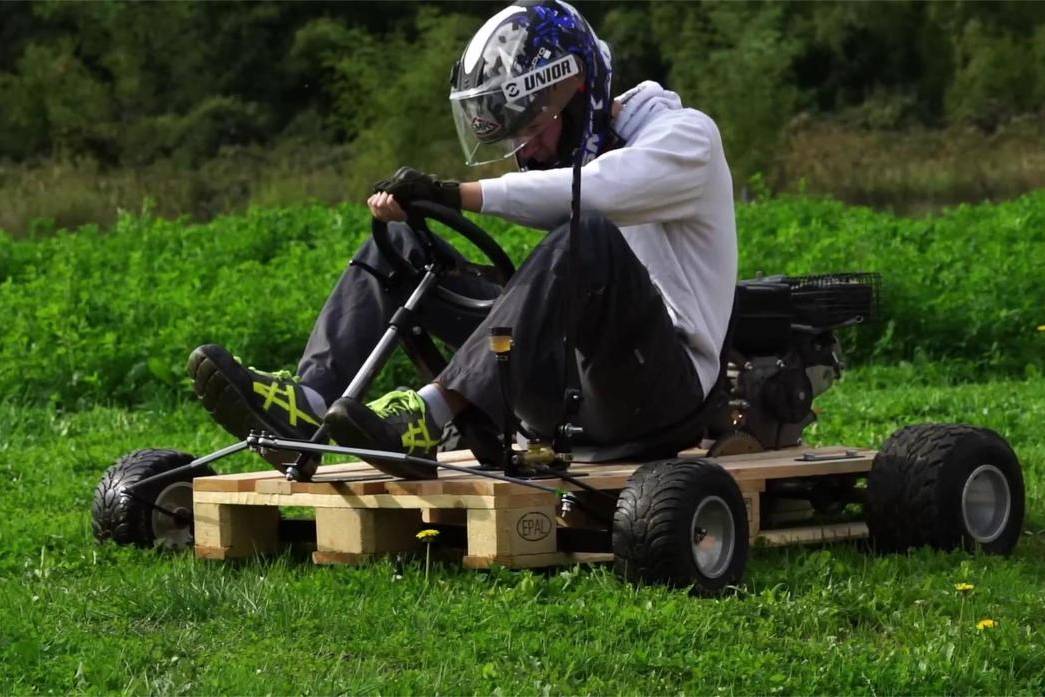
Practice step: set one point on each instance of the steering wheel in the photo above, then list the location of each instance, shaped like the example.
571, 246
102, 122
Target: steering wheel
438, 252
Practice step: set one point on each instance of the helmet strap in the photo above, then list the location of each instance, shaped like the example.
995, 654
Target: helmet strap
572, 394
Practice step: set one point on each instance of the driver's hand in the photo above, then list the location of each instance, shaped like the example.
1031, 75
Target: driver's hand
384, 207
408, 185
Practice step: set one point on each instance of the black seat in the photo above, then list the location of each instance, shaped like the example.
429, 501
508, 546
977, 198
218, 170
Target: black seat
688, 431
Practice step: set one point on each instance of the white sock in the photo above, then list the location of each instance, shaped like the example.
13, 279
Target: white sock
315, 401
438, 409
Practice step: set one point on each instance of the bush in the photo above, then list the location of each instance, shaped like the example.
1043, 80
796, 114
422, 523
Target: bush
392, 93
111, 315
740, 75
97, 316
997, 77
55, 102
965, 284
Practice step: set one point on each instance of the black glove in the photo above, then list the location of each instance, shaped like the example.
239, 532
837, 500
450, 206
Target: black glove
408, 185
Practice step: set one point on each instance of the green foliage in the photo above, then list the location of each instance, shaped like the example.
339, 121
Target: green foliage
217, 122
733, 62
998, 75
350, 62
196, 137
54, 102
128, 82
95, 315
962, 285
634, 45
92, 314
396, 90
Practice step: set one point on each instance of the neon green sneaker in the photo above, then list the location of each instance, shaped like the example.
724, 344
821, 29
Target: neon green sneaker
398, 422
244, 399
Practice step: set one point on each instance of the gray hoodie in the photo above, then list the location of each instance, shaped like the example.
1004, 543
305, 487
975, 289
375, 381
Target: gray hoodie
670, 191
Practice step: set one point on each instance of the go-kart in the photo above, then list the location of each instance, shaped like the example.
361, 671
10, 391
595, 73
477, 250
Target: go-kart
677, 519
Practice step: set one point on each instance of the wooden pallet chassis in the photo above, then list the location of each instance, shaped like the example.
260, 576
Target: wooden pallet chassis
361, 513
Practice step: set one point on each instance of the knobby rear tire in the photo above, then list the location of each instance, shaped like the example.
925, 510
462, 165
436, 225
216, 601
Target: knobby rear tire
923, 484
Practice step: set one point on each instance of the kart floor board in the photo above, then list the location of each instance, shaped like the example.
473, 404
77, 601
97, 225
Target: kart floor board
362, 513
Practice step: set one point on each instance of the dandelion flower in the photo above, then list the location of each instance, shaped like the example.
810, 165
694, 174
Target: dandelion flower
963, 587
428, 537
1041, 327
986, 623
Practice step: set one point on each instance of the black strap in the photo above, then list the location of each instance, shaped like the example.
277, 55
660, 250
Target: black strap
572, 395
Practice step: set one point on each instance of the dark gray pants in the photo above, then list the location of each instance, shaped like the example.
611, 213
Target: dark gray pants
635, 375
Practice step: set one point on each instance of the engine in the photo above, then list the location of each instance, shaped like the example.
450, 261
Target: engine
783, 352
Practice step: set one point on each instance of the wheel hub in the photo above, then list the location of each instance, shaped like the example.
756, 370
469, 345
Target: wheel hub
174, 532
986, 503
712, 536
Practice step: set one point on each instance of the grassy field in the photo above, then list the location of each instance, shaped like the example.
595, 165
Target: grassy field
97, 324
80, 617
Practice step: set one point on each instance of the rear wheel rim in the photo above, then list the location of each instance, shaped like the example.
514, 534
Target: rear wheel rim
712, 537
174, 533
986, 503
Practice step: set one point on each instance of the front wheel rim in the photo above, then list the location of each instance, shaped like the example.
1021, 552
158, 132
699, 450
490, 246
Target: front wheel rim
174, 533
986, 503
712, 537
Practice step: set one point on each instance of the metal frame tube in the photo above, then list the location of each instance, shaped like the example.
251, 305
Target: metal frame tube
377, 358
302, 469
262, 441
199, 462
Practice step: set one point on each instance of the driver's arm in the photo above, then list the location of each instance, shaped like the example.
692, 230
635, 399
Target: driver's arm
472, 197
655, 178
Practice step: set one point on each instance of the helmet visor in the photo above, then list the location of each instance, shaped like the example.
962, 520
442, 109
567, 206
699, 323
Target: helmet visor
496, 120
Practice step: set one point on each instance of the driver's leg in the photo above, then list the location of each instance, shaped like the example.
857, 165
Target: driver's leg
242, 398
635, 373
360, 306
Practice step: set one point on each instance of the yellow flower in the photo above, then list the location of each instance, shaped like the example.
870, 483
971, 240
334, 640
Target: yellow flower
986, 623
963, 587
427, 535
1041, 327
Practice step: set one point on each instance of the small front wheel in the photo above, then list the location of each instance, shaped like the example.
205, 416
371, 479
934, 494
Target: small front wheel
158, 515
681, 523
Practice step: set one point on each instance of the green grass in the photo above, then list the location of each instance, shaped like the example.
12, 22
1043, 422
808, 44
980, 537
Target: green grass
80, 617
100, 320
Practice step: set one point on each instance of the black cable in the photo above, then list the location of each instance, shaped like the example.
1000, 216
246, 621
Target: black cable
571, 381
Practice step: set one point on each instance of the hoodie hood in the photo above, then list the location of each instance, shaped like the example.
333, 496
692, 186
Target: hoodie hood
640, 103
